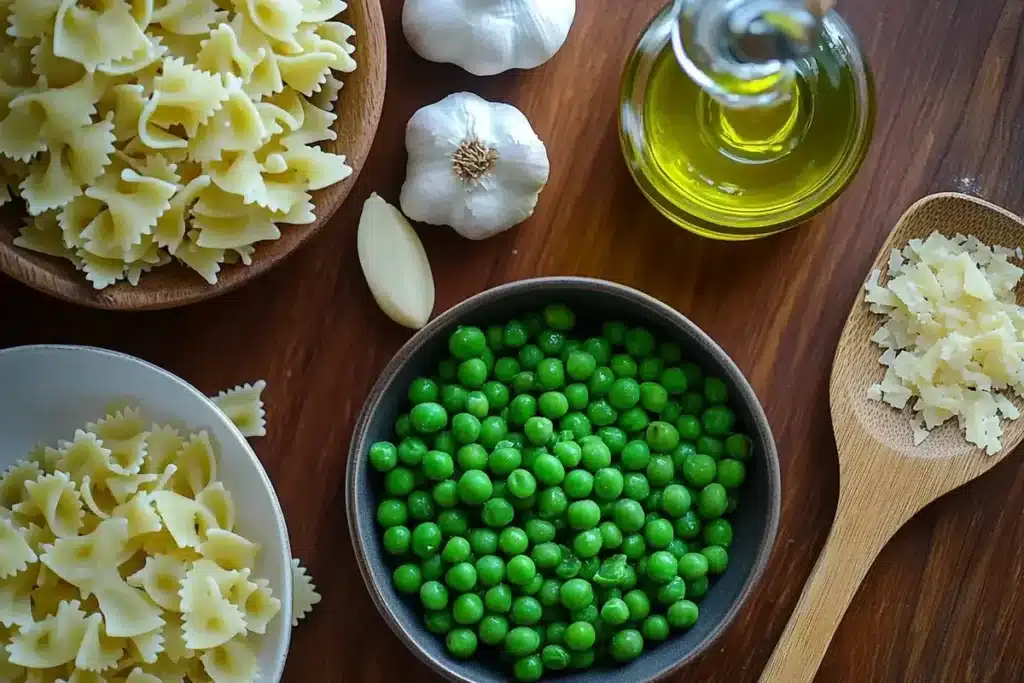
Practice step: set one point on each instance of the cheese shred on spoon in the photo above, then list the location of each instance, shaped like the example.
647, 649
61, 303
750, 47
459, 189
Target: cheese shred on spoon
953, 335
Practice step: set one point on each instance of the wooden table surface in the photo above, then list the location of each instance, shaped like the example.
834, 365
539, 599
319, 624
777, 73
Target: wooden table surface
941, 604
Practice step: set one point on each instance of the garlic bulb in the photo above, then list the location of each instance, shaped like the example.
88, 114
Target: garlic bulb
474, 165
486, 37
395, 264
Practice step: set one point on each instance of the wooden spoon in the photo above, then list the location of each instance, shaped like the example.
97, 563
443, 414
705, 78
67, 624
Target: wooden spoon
883, 478
358, 107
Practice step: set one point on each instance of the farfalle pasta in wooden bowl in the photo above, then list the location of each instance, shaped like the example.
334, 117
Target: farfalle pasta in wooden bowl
154, 153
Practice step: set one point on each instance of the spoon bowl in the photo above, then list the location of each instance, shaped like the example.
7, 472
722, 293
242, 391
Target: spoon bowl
884, 479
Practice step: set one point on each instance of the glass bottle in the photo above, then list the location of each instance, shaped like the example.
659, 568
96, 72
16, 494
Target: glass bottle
743, 118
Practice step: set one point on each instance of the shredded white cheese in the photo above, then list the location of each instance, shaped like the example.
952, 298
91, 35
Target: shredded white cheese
953, 335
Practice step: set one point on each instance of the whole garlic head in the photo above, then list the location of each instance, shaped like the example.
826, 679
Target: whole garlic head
475, 165
486, 37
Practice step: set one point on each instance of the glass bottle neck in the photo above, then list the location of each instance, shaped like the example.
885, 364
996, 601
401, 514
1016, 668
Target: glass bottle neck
742, 52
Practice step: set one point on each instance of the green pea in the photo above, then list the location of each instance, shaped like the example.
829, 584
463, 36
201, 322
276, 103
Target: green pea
407, 578
661, 566
548, 469
731, 473
492, 629
689, 525
633, 546
717, 557
601, 382
709, 445
403, 426
580, 635
661, 436
608, 483
624, 393
475, 487
653, 397
737, 446
638, 603
423, 390
635, 486
539, 430
672, 591
461, 643
693, 566
634, 420
555, 657
438, 466
712, 501
578, 484
596, 454
718, 420
658, 533
520, 570
650, 369
383, 456
553, 405
577, 423
577, 594
434, 595
497, 513
439, 622
498, 598
611, 535
614, 331
492, 430
692, 403
660, 470
568, 453
420, 505
522, 641
528, 669
551, 342
444, 442
715, 391
580, 365
629, 515
559, 317
601, 413
550, 373
577, 396
521, 483
552, 503
428, 418
530, 356
392, 513
718, 532
396, 540
446, 493
639, 342
523, 382
682, 614
699, 470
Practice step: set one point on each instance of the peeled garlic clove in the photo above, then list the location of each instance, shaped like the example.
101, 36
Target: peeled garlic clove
395, 264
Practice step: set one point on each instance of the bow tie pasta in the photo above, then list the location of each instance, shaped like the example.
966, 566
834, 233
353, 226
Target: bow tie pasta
120, 559
141, 133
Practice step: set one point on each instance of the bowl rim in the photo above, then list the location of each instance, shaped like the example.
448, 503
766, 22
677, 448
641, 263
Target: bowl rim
358, 446
219, 416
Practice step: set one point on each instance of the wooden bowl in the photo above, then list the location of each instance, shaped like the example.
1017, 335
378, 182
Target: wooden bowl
594, 301
358, 107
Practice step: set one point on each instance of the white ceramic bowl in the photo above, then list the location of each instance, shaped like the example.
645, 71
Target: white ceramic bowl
46, 392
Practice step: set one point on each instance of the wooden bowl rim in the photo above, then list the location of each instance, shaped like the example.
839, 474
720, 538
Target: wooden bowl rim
74, 288
360, 436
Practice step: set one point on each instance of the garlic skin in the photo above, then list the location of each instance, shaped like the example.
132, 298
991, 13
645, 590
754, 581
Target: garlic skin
487, 37
395, 264
475, 165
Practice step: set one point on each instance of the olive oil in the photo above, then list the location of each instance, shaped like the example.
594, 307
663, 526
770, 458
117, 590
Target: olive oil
739, 172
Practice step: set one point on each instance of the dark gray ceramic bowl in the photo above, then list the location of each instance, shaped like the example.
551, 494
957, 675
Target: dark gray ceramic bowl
593, 301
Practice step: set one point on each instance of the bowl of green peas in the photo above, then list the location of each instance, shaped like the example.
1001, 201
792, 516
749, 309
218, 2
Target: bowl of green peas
561, 478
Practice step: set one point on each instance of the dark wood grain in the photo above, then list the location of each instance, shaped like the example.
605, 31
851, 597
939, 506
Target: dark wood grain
942, 602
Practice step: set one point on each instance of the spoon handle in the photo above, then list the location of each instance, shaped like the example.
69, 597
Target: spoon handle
852, 546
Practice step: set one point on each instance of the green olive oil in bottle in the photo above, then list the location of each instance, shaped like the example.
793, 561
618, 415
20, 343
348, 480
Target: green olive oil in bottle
742, 118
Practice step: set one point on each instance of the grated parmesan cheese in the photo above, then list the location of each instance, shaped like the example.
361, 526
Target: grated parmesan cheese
953, 336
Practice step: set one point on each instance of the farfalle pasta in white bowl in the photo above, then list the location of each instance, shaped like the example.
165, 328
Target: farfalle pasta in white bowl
144, 546
209, 136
